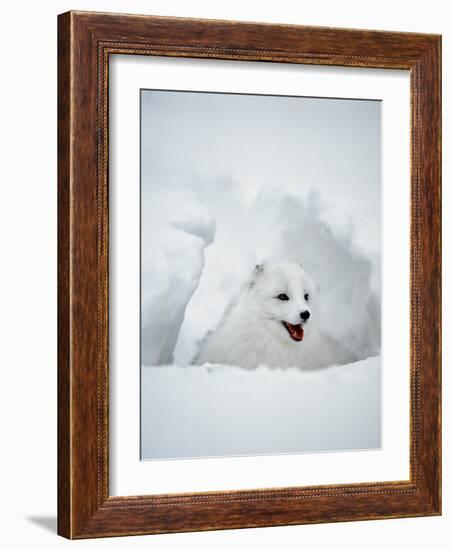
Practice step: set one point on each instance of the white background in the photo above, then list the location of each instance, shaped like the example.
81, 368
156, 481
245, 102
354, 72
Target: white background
28, 289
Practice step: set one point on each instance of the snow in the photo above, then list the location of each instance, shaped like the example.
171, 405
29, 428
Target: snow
228, 182
217, 410
176, 228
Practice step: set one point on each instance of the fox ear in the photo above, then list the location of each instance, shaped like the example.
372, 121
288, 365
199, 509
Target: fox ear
258, 269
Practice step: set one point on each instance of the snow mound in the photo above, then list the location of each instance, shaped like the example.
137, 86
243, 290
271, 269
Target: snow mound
176, 228
217, 410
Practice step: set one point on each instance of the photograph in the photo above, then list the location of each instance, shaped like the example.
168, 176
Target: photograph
261, 256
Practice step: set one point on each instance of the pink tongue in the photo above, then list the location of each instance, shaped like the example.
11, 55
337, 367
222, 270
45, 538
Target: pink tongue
296, 332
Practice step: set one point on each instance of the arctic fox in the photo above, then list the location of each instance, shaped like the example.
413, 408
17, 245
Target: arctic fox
271, 323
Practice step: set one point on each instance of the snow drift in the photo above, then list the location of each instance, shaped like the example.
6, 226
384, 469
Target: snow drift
217, 410
175, 230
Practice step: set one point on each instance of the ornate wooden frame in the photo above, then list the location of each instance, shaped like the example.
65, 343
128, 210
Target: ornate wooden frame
85, 41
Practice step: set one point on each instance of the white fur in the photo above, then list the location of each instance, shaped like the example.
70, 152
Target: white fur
252, 332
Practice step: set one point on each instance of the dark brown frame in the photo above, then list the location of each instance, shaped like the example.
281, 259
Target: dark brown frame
85, 42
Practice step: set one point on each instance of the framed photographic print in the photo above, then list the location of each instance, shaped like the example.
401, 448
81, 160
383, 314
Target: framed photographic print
249, 275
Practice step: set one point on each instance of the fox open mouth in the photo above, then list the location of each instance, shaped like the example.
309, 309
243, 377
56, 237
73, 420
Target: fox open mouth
295, 331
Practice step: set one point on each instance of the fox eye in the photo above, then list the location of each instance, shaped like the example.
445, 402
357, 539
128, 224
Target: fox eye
306, 296
283, 297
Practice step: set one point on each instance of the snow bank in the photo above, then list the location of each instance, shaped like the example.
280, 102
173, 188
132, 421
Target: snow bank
220, 410
175, 231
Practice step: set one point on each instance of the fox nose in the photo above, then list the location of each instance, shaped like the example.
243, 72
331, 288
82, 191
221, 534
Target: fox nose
305, 315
